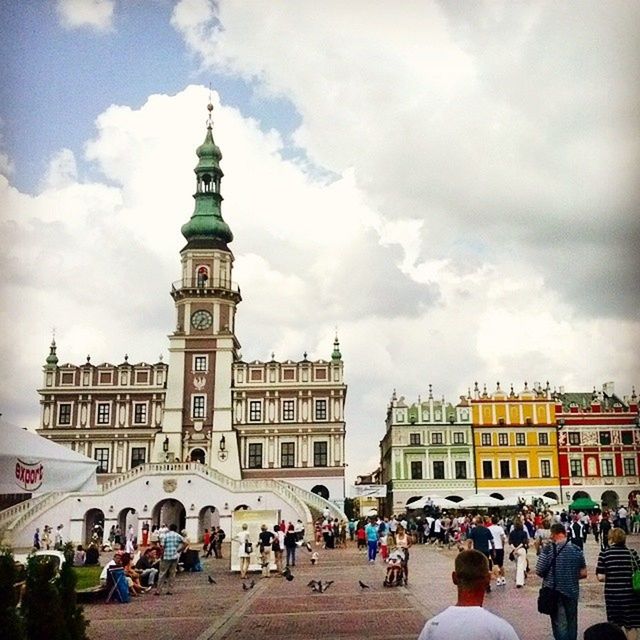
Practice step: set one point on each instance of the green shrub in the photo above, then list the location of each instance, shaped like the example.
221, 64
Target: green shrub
10, 620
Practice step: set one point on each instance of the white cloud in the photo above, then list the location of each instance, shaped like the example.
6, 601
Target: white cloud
96, 14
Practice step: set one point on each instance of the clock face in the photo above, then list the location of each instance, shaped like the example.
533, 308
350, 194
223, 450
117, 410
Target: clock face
201, 320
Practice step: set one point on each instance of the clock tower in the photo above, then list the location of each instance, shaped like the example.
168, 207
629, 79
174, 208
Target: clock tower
197, 422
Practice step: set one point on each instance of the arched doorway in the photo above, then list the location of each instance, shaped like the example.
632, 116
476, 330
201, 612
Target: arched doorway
454, 498
610, 499
208, 518
128, 518
242, 507
552, 495
93, 523
197, 455
169, 511
498, 496
411, 499
321, 490
580, 494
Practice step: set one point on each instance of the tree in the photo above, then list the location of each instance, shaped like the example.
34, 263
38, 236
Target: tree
72, 613
10, 621
41, 606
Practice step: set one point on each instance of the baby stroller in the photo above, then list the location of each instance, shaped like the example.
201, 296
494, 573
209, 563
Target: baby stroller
395, 569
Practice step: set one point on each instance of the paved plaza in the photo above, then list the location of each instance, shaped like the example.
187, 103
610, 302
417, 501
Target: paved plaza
276, 608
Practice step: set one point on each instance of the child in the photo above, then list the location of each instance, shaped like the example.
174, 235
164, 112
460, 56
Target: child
361, 537
314, 557
384, 548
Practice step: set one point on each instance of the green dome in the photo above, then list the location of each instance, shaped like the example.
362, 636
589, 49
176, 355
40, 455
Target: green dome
52, 358
206, 226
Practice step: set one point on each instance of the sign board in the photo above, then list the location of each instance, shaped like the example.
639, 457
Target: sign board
370, 490
254, 520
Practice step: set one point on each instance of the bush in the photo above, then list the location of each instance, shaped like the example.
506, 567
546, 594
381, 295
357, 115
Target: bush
10, 620
72, 612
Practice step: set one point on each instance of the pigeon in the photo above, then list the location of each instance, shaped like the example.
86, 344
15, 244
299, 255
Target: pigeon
286, 572
246, 587
326, 585
289, 577
308, 545
211, 580
314, 557
363, 585
316, 586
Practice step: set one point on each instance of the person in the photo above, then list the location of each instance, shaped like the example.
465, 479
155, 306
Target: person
467, 618
519, 541
93, 555
371, 534
605, 527
604, 631
622, 518
133, 576
403, 542
542, 535
561, 565
499, 538
277, 546
57, 543
36, 539
172, 545
577, 532
265, 539
290, 545
206, 541
148, 566
79, 556
615, 568
481, 539
244, 554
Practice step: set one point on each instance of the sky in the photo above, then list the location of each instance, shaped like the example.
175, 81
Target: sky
452, 187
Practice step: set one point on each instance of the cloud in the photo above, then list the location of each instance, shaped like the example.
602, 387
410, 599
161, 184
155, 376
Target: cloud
95, 14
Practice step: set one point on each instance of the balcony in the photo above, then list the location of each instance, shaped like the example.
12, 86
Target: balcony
205, 288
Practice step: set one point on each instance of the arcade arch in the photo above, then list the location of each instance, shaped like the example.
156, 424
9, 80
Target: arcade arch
321, 490
610, 499
169, 511
580, 494
126, 518
208, 518
197, 455
93, 521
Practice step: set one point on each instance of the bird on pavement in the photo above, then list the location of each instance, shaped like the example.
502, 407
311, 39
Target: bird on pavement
363, 585
211, 580
246, 587
326, 585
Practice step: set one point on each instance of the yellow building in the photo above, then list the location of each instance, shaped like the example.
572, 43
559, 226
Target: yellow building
515, 442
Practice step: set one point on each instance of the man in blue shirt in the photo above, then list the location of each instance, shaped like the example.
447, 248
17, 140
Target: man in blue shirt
563, 575
482, 540
172, 543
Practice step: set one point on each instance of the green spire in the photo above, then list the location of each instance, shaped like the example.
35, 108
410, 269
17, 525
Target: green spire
52, 358
336, 355
206, 228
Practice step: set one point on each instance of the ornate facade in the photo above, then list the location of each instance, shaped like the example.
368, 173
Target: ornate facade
246, 420
426, 450
599, 446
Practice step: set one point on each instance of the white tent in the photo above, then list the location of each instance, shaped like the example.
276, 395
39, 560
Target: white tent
30, 463
480, 500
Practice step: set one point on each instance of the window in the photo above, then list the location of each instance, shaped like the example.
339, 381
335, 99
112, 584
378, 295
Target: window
487, 469
321, 409
629, 466
505, 469
574, 437
438, 470
200, 363
64, 413
458, 437
607, 466
545, 468
437, 438
198, 407
320, 454
605, 437
102, 456
288, 410
485, 439
523, 469
287, 455
103, 413
461, 469
414, 438
255, 411
138, 456
140, 413
521, 439
627, 437
503, 439
255, 455
543, 439
416, 470
575, 468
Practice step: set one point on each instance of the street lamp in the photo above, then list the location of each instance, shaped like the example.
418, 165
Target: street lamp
165, 444
223, 444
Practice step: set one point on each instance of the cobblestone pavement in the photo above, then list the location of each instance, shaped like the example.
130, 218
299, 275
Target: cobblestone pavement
276, 608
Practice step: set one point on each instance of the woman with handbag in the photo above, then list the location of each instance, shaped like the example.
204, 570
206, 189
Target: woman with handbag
519, 541
290, 545
616, 567
244, 549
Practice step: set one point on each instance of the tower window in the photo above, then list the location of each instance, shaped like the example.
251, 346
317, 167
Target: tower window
140, 413
198, 407
138, 456
200, 363
288, 410
319, 454
321, 409
202, 276
64, 413
102, 456
255, 411
103, 413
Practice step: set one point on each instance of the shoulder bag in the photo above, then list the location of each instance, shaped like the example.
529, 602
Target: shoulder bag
635, 571
548, 596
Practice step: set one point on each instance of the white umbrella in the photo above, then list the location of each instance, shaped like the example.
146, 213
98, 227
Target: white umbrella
532, 497
480, 500
418, 503
443, 503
